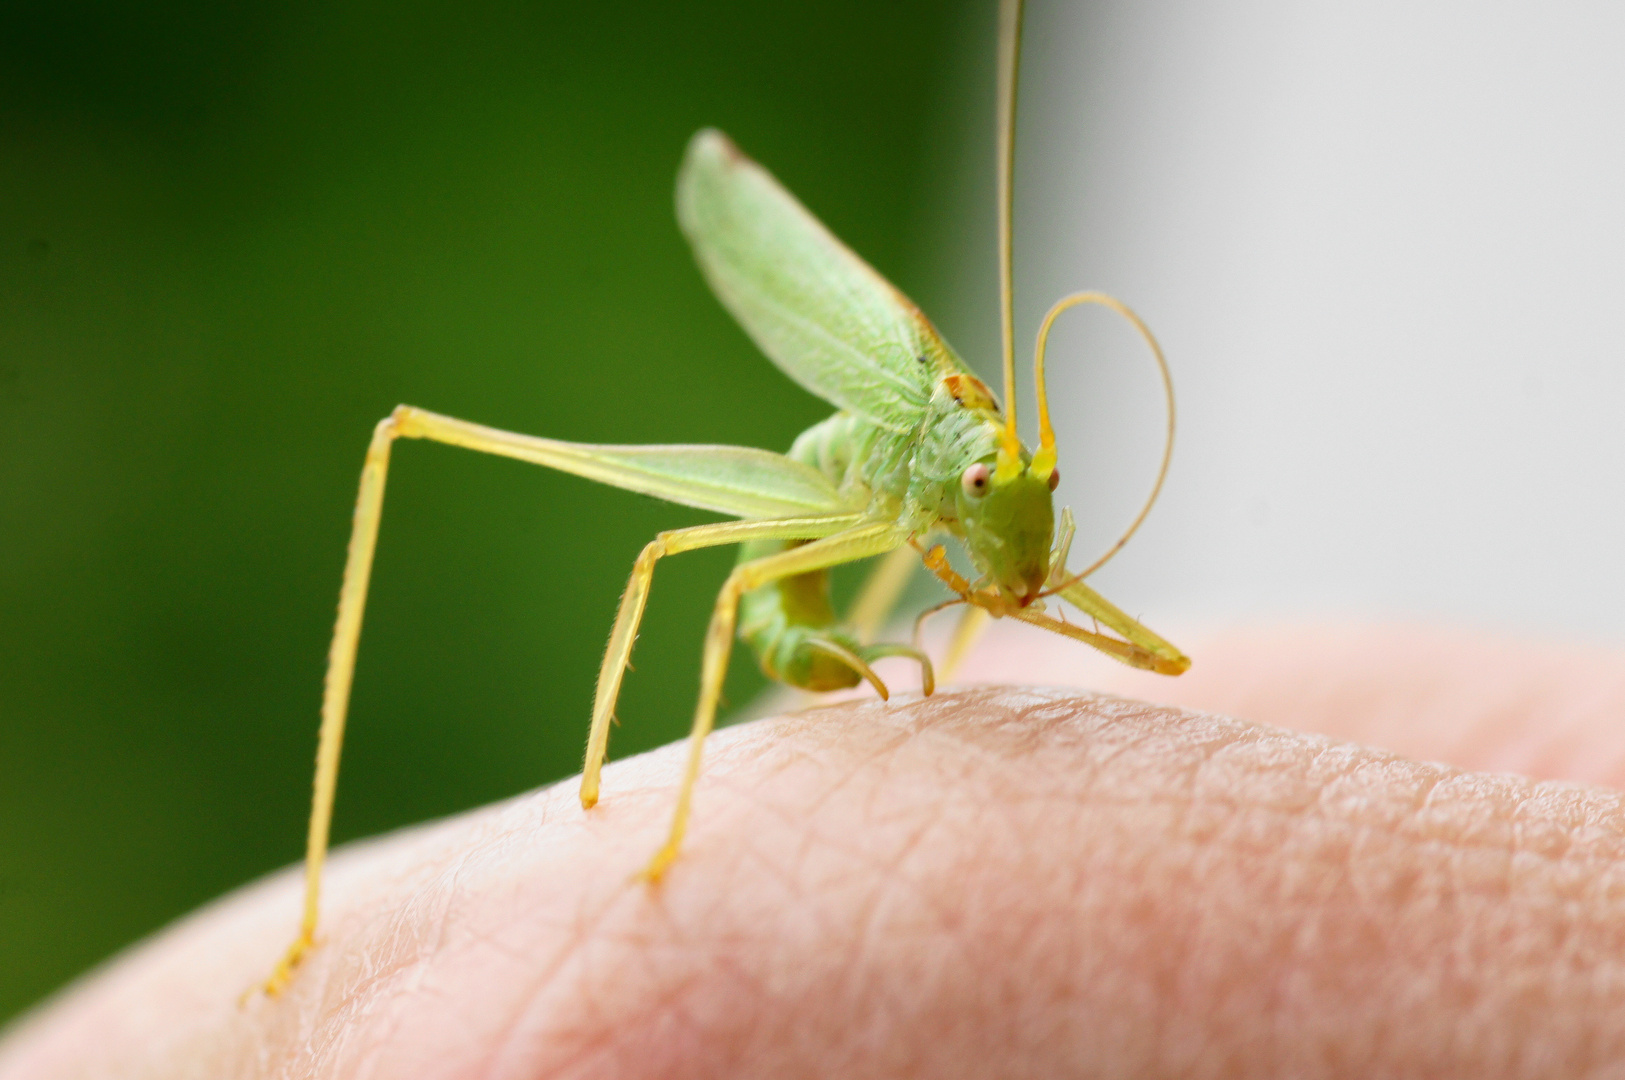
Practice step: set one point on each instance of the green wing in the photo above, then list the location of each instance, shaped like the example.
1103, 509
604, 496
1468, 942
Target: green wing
737, 480
819, 312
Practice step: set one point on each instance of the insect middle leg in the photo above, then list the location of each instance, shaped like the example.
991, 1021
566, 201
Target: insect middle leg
850, 545
613, 669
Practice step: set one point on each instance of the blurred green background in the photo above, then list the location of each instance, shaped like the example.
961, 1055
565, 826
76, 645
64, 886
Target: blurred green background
231, 239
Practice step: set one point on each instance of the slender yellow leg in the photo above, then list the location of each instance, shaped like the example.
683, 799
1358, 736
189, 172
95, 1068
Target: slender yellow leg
408, 422
625, 633
928, 676
853, 661
936, 561
850, 545
1128, 652
1168, 660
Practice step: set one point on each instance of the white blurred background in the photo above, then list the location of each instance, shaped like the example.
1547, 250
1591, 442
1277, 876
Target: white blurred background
1384, 247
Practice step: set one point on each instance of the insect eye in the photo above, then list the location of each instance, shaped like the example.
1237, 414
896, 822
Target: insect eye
974, 480
1054, 479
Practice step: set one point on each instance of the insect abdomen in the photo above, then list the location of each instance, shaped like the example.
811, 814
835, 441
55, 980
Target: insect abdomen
778, 621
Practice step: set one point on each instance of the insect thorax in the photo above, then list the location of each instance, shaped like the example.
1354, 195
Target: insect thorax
909, 477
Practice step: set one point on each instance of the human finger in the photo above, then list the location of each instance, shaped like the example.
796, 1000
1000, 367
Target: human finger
1495, 703
993, 882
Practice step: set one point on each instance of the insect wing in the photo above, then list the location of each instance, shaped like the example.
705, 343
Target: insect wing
820, 313
737, 480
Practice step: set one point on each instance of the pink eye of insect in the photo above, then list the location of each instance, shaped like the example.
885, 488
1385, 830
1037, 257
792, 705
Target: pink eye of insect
1054, 479
974, 480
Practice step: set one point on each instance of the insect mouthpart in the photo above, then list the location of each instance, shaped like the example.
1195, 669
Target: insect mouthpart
1034, 586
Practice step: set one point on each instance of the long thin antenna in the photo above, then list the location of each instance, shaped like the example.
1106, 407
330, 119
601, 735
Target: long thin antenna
1009, 76
1044, 460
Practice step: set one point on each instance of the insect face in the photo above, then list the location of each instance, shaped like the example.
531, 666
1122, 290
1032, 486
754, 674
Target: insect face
1008, 527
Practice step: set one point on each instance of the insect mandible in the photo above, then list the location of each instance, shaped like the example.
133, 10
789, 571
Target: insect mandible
918, 447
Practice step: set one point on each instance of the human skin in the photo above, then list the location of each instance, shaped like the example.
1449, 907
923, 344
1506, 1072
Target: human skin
993, 882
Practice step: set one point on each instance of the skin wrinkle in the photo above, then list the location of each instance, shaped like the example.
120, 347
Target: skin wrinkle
494, 841
1477, 700
725, 946
598, 1023
871, 907
1189, 784
799, 818
528, 1002
1131, 880
860, 945
808, 835
892, 878
1431, 783
356, 997
1517, 794
1189, 770
667, 1013
487, 841
400, 1002
736, 959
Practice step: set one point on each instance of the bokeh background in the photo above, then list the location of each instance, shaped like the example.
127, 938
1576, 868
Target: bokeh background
232, 237
1384, 245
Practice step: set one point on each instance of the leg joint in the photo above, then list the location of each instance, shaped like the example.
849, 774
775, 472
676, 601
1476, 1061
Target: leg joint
653, 551
400, 423
740, 581
403, 421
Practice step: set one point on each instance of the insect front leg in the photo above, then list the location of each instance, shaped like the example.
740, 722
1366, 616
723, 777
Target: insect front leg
859, 542
1151, 652
616, 656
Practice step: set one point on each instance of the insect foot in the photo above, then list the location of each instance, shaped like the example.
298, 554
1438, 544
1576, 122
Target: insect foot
282, 974
651, 874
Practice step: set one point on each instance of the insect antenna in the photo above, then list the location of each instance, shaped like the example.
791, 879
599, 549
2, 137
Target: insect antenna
1009, 75
1044, 461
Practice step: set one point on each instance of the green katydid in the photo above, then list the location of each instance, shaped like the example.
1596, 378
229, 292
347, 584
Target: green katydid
918, 446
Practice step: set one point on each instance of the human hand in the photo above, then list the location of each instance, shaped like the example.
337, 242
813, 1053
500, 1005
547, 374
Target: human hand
992, 882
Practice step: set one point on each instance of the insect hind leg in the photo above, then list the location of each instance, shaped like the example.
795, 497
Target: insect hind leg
850, 545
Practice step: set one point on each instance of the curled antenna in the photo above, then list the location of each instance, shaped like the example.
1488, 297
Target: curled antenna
1044, 461
1009, 76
